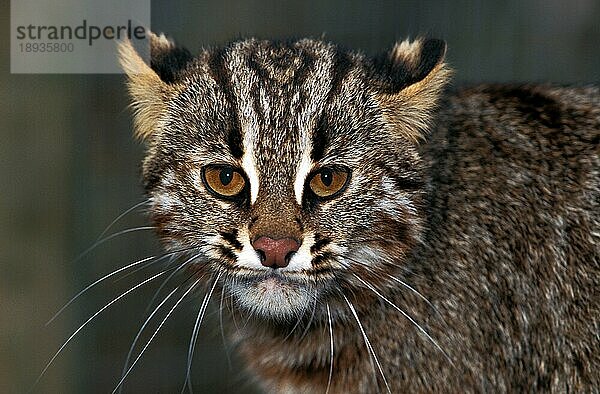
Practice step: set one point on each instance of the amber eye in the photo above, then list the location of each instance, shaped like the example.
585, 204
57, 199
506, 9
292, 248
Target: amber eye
223, 180
327, 182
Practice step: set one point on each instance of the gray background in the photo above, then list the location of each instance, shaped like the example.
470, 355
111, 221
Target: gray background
68, 166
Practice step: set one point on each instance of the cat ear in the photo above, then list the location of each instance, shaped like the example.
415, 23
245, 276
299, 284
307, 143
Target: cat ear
151, 86
409, 80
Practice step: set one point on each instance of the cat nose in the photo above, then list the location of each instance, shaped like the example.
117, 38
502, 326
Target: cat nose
275, 253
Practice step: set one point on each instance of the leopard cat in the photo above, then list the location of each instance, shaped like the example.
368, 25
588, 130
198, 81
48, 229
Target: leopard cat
379, 230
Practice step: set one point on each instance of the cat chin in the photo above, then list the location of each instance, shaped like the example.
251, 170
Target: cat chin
273, 297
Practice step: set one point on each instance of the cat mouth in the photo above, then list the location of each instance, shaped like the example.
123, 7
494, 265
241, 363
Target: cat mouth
298, 278
273, 294
272, 282
271, 277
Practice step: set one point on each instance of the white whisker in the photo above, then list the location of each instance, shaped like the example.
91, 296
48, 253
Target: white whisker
106, 239
95, 283
298, 320
221, 306
195, 332
407, 316
120, 217
164, 283
92, 318
139, 333
312, 316
368, 343
154, 335
403, 283
413, 290
330, 349
109, 275
232, 309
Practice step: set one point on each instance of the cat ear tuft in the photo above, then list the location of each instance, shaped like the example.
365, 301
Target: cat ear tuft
167, 59
152, 85
409, 80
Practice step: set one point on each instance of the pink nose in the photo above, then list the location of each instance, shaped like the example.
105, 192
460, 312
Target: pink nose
275, 253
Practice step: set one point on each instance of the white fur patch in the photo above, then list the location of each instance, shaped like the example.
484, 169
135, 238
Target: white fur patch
367, 255
164, 201
242, 81
248, 257
303, 170
249, 167
302, 259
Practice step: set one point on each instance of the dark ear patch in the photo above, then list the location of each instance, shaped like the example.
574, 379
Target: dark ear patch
407, 63
408, 81
166, 59
431, 54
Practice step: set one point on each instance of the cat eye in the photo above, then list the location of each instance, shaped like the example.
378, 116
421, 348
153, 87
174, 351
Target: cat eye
223, 180
328, 182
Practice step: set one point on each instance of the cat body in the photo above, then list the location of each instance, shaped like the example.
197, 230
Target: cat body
509, 262
377, 231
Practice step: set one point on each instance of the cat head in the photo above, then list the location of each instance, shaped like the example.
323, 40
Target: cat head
288, 169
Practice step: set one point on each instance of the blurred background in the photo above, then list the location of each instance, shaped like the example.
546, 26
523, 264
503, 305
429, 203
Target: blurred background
69, 166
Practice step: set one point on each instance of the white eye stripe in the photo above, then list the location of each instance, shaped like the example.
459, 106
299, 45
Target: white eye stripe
249, 124
249, 168
248, 160
302, 172
305, 120
305, 164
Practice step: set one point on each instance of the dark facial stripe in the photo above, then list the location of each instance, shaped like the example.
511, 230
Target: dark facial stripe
220, 74
321, 258
319, 244
231, 238
319, 139
341, 67
278, 63
408, 182
255, 89
227, 253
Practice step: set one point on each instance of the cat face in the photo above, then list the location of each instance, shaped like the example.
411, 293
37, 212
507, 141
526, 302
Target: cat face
288, 169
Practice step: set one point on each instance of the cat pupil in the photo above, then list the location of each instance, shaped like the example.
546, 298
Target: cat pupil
225, 176
326, 177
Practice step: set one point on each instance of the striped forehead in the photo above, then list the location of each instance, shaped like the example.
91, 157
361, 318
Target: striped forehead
279, 94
